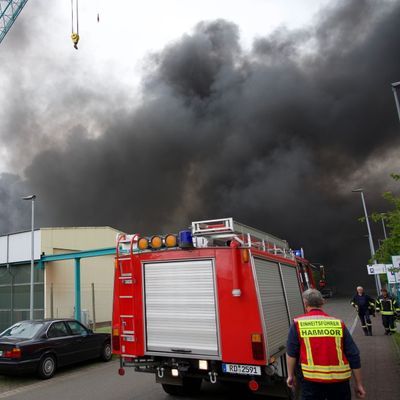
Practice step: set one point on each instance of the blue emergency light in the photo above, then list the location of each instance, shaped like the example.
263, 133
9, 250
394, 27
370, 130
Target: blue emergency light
185, 239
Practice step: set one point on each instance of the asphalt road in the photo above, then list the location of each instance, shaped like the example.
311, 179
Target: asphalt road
100, 381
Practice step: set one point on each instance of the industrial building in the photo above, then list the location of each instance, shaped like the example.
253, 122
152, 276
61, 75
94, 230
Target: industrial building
74, 271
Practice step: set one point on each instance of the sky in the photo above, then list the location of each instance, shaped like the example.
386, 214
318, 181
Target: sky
115, 50
270, 112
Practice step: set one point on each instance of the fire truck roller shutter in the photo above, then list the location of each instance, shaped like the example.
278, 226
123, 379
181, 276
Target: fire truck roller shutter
180, 311
292, 291
273, 304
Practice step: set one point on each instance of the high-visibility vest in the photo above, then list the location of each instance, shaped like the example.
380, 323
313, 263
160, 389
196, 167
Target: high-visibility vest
321, 348
387, 305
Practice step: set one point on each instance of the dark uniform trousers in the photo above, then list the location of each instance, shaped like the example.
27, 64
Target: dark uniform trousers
388, 323
365, 320
325, 391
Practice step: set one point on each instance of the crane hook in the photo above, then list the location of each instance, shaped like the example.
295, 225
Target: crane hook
75, 40
75, 15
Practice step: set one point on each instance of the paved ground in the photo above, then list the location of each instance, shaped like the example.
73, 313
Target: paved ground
379, 357
100, 380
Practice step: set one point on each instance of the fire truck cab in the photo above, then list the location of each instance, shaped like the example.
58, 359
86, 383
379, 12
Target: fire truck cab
213, 303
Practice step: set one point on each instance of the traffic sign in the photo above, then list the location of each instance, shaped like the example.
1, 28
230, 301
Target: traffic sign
376, 269
393, 272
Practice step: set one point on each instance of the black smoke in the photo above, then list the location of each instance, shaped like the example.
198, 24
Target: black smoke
276, 136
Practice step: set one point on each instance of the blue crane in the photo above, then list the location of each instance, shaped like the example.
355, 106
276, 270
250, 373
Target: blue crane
9, 11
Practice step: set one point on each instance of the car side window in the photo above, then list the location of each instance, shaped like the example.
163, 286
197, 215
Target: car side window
57, 329
77, 328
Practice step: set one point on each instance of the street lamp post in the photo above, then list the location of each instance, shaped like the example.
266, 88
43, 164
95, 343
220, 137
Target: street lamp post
371, 243
32, 199
395, 88
384, 228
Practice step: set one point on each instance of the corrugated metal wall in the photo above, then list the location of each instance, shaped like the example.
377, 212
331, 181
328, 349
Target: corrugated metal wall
273, 304
180, 307
293, 295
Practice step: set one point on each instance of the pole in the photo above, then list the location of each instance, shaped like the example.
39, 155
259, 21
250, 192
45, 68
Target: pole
32, 261
51, 301
93, 308
78, 289
384, 228
396, 99
371, 243
12, 295
396, 270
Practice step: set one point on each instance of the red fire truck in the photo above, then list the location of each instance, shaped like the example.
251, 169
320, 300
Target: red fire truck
309, 273
212, 303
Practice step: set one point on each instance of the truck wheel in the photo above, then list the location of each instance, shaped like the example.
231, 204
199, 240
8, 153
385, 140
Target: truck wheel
106, 352
190, 387
173, 390
47, 367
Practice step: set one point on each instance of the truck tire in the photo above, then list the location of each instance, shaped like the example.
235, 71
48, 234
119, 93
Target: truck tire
190, 387
173, 390
47, 367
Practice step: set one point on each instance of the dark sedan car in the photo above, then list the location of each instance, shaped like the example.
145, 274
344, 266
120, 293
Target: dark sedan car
42, 346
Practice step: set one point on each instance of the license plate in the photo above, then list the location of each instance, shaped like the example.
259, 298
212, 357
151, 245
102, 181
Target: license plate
241, 369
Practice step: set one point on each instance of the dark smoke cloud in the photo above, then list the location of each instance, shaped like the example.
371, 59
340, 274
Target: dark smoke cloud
276, 137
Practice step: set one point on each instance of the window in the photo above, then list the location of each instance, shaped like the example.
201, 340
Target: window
23, 330
5, 276
77, 328
5, 297
14, 294
58, 329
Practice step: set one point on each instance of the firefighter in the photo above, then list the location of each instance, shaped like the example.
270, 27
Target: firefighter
389, 308
365, 306
326, 352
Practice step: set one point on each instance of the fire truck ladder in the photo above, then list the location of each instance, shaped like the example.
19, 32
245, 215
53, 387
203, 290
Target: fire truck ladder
227, 228
127, 293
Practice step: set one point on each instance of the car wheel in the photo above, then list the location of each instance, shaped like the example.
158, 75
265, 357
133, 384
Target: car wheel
106, 352
47, 367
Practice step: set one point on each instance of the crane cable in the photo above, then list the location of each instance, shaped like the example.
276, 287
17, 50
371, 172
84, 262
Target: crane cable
75, 35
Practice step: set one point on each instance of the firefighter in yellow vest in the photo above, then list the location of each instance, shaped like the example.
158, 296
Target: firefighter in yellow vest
326, 352
389, 308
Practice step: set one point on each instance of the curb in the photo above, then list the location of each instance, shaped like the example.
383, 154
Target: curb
396, 343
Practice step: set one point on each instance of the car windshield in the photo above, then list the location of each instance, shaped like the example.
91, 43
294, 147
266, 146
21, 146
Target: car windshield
23, 330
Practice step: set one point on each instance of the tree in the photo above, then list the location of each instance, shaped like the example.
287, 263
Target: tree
390, 246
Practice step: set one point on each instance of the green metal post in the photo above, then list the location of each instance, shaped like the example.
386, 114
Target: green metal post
78, 289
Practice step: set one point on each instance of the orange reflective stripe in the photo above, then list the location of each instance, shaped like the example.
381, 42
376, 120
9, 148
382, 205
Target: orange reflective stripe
307, 343
325, 368
338, 342
328, 376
